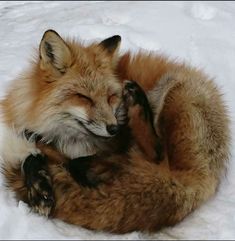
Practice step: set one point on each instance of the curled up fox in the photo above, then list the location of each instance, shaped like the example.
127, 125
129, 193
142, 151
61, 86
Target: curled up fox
112, 142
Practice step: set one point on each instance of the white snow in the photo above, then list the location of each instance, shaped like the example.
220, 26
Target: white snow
201, 33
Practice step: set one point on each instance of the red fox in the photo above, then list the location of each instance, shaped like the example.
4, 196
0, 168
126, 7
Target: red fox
81, 162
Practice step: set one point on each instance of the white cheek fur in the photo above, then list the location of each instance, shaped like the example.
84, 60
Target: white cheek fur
78, 112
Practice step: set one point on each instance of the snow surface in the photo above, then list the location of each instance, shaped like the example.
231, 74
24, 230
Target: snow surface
202, 33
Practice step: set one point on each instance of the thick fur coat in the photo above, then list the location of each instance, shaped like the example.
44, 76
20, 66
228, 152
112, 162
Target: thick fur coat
138, 191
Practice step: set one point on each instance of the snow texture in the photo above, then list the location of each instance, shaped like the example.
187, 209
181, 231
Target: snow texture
201, 33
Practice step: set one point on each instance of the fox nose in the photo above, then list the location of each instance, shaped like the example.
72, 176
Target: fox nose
112, 129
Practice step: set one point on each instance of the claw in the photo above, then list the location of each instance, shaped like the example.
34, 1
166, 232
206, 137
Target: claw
45, 197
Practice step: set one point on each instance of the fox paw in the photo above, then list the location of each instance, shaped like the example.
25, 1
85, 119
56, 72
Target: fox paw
136, 101
39, 186
141, 121
90, 172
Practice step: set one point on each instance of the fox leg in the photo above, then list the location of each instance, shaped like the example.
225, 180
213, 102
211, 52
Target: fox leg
90, 171
18, 152
141, 122
38, 184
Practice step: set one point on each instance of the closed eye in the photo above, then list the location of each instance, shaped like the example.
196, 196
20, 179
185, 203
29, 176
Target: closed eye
84, 97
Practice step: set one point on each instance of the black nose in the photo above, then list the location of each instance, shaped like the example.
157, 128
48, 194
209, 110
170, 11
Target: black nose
112, 129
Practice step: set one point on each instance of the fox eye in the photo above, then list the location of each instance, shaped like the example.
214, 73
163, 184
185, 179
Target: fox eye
112, 99
84, 97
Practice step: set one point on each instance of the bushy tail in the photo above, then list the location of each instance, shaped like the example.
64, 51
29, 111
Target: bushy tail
14, 180
192, 117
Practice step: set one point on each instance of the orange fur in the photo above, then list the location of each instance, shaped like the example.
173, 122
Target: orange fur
189, 116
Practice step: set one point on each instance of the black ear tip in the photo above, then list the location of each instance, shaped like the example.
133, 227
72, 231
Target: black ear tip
114, 39
50, 31
111, 43
117, 38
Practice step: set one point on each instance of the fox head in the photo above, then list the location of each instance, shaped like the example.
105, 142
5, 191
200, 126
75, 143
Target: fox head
73, 89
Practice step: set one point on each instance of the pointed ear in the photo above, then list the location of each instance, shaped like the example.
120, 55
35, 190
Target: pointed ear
112, 44
54, 52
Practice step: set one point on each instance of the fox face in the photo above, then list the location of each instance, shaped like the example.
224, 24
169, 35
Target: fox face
75, 92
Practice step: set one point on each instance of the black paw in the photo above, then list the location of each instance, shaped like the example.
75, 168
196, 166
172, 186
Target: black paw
39, 186
79, 168
134, 95
91, 172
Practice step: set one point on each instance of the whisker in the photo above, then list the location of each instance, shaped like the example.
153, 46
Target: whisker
82, 117
97, 126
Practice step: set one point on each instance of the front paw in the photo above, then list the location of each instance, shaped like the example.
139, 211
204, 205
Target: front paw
136, 101
39, 185
90, 171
